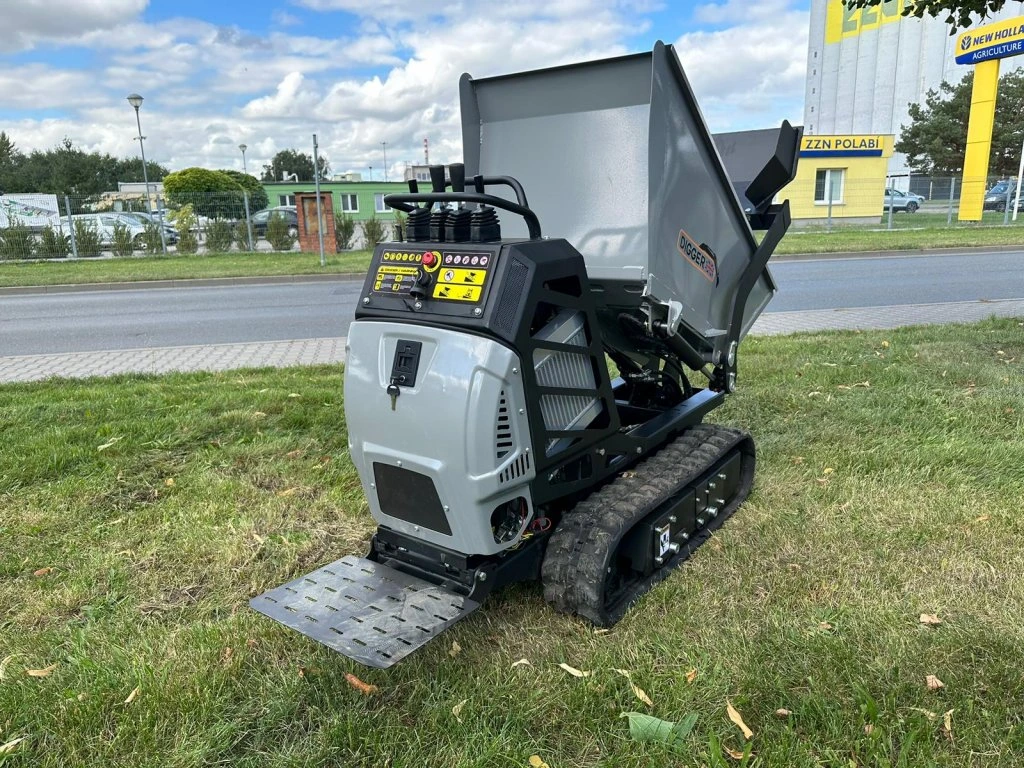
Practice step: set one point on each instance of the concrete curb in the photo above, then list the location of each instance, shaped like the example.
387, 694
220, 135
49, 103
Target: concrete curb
979, 251
213, 282
204, 282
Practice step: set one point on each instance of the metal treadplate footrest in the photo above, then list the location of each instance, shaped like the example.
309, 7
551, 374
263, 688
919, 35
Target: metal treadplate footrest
369, 612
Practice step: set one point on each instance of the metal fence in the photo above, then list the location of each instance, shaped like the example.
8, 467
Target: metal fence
77, 227
835, 201
47, 226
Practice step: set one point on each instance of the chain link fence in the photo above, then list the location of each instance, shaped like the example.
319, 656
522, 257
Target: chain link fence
48, 226
836, 201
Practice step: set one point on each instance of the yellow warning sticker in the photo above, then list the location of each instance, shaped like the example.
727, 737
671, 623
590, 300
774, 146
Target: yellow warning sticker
454, 292
462, 276
387, 269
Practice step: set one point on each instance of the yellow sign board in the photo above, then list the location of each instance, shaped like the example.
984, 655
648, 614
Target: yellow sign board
993, 41
852, 145
842, 22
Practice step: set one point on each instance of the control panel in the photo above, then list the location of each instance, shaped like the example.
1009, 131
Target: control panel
438, 278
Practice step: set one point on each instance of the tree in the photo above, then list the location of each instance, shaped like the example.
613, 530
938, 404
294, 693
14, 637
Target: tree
210, 193
66, 169
10, 159
294, 162
257, 194
959, 13
936, 139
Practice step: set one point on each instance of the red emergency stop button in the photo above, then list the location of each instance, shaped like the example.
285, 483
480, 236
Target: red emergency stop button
430, 260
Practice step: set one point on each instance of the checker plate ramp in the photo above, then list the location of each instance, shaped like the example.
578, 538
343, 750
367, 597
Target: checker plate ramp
367, 611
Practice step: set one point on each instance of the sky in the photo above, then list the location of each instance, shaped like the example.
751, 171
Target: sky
271, 73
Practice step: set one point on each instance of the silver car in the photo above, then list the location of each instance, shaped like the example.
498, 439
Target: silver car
902, 201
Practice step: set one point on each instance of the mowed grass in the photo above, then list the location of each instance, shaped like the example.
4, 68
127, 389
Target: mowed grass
932, 235
890, 484
175, 267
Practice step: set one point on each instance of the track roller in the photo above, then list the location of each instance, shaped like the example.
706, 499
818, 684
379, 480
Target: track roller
620, 541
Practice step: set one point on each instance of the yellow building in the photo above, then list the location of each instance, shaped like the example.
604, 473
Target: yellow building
844, 175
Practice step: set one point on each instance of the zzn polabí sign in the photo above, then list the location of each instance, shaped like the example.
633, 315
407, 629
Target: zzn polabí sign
993, 41
842, 146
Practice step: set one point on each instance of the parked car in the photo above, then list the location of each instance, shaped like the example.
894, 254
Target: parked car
104, 224
145, 219
995, 198
902, 201
260, 219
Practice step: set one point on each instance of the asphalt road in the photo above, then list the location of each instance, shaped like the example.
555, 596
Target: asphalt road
129, 319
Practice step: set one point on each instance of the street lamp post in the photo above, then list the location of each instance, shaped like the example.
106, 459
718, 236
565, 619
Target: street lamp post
245, 199
384, 144
371, 172
136, 101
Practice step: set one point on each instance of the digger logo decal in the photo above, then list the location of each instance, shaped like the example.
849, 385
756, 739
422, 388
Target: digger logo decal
699, 256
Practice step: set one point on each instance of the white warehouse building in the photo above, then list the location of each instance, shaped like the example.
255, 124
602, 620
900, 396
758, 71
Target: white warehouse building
865, 66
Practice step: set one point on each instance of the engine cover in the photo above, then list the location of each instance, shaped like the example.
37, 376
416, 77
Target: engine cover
439, 434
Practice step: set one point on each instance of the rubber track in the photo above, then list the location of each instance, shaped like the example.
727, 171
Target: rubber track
581, 547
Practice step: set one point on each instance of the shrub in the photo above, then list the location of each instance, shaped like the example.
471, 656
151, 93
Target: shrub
54, 244
374, 231
185, 223
122, 244
219, 235
87, 239
151, 240
241, 234
210, 193
344, 231
16, 242
278, 236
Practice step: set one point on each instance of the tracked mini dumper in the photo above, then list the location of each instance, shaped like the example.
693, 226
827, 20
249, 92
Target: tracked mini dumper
492, 441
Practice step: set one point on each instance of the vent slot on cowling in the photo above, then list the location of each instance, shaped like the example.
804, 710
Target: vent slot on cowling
515, 470
503, 429
566, 370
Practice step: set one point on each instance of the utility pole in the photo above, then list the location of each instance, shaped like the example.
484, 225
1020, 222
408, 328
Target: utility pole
384, 144
319, 211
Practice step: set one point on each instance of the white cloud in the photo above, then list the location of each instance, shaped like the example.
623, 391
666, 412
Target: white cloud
393, 77
752, 74
28, 22
291, 98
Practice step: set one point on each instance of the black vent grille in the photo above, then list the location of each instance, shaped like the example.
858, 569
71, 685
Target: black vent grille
511, 296
503, 429
515, 470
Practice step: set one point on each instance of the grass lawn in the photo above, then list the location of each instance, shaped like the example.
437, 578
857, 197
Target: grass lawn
178, 267
937, 236
139, 514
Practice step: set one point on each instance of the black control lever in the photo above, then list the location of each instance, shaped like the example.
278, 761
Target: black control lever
404, 202
457, 173
437, 178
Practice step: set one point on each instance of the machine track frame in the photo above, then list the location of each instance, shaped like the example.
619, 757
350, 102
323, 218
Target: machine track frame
579, 566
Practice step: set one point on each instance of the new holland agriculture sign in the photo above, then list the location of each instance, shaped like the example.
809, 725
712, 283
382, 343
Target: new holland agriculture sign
993, 41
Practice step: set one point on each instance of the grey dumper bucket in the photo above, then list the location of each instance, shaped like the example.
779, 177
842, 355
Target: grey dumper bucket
616, 158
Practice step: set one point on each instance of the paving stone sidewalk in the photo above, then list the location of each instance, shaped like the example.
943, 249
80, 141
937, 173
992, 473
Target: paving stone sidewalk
221, 357
210, 357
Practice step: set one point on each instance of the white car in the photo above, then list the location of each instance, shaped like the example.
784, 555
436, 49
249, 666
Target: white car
104, 224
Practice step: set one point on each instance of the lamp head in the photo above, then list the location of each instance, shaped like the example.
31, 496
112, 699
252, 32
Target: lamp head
135, 100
